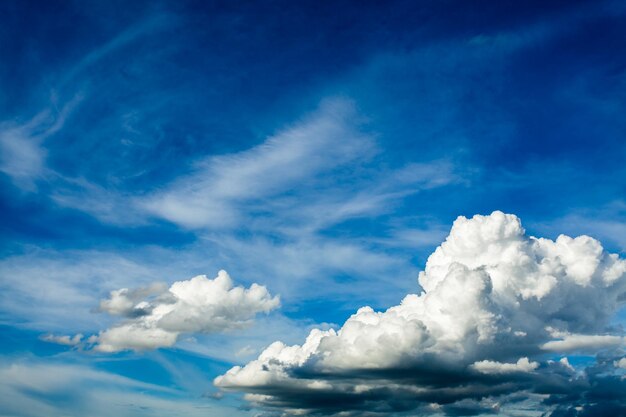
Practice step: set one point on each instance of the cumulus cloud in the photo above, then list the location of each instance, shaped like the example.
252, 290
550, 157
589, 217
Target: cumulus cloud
156, 316
494, 301
493, 367
130, 303
63, 339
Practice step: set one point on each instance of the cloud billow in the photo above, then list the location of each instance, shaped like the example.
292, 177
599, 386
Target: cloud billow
498, 310
156, 316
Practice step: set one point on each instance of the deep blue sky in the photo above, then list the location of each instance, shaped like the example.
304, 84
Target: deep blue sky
111, 110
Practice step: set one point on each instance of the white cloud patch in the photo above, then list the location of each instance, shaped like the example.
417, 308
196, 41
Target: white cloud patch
209, 196
68, 286
125, 302
492, 295
64, 339
22, 155
35, 389
318, 164
198, 305
584, 343
493, 367
285, 194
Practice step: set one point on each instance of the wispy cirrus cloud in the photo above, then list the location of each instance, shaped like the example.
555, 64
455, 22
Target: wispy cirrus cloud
35, 388
311, 175
288, 191
23, 146
222, 187
23, 152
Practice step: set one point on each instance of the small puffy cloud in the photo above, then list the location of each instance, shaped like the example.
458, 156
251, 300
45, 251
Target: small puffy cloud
64, 339
620, 363
130, 303
494, 301
493, 367
565, 363
157, 316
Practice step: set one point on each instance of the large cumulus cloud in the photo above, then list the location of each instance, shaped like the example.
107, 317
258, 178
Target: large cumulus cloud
498, 309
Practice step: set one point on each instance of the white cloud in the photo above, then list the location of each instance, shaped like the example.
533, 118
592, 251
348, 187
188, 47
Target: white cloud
493, 367
107, 205
198, 305
57, 290
491, 295
308, 176
620, 363
22, 155
582, 342
64, 339
60, 291
125, 302
32, 389
605, 223
284, 193
210, 196
319, 171
305, 268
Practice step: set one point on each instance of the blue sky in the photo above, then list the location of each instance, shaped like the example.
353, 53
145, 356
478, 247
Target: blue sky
321, 150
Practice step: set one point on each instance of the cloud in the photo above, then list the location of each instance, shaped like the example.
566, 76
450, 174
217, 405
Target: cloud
211, 194
493, 367
493, 298
107, 205
31, 388
309, 176
56, 290
129, 303
306, 268
61, 291
319, 164
23, 155
148, 26
197, 305
23, 147
607, 223
581, 342
285, 194
64, 340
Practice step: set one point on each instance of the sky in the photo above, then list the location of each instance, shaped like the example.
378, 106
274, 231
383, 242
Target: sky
262, 209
